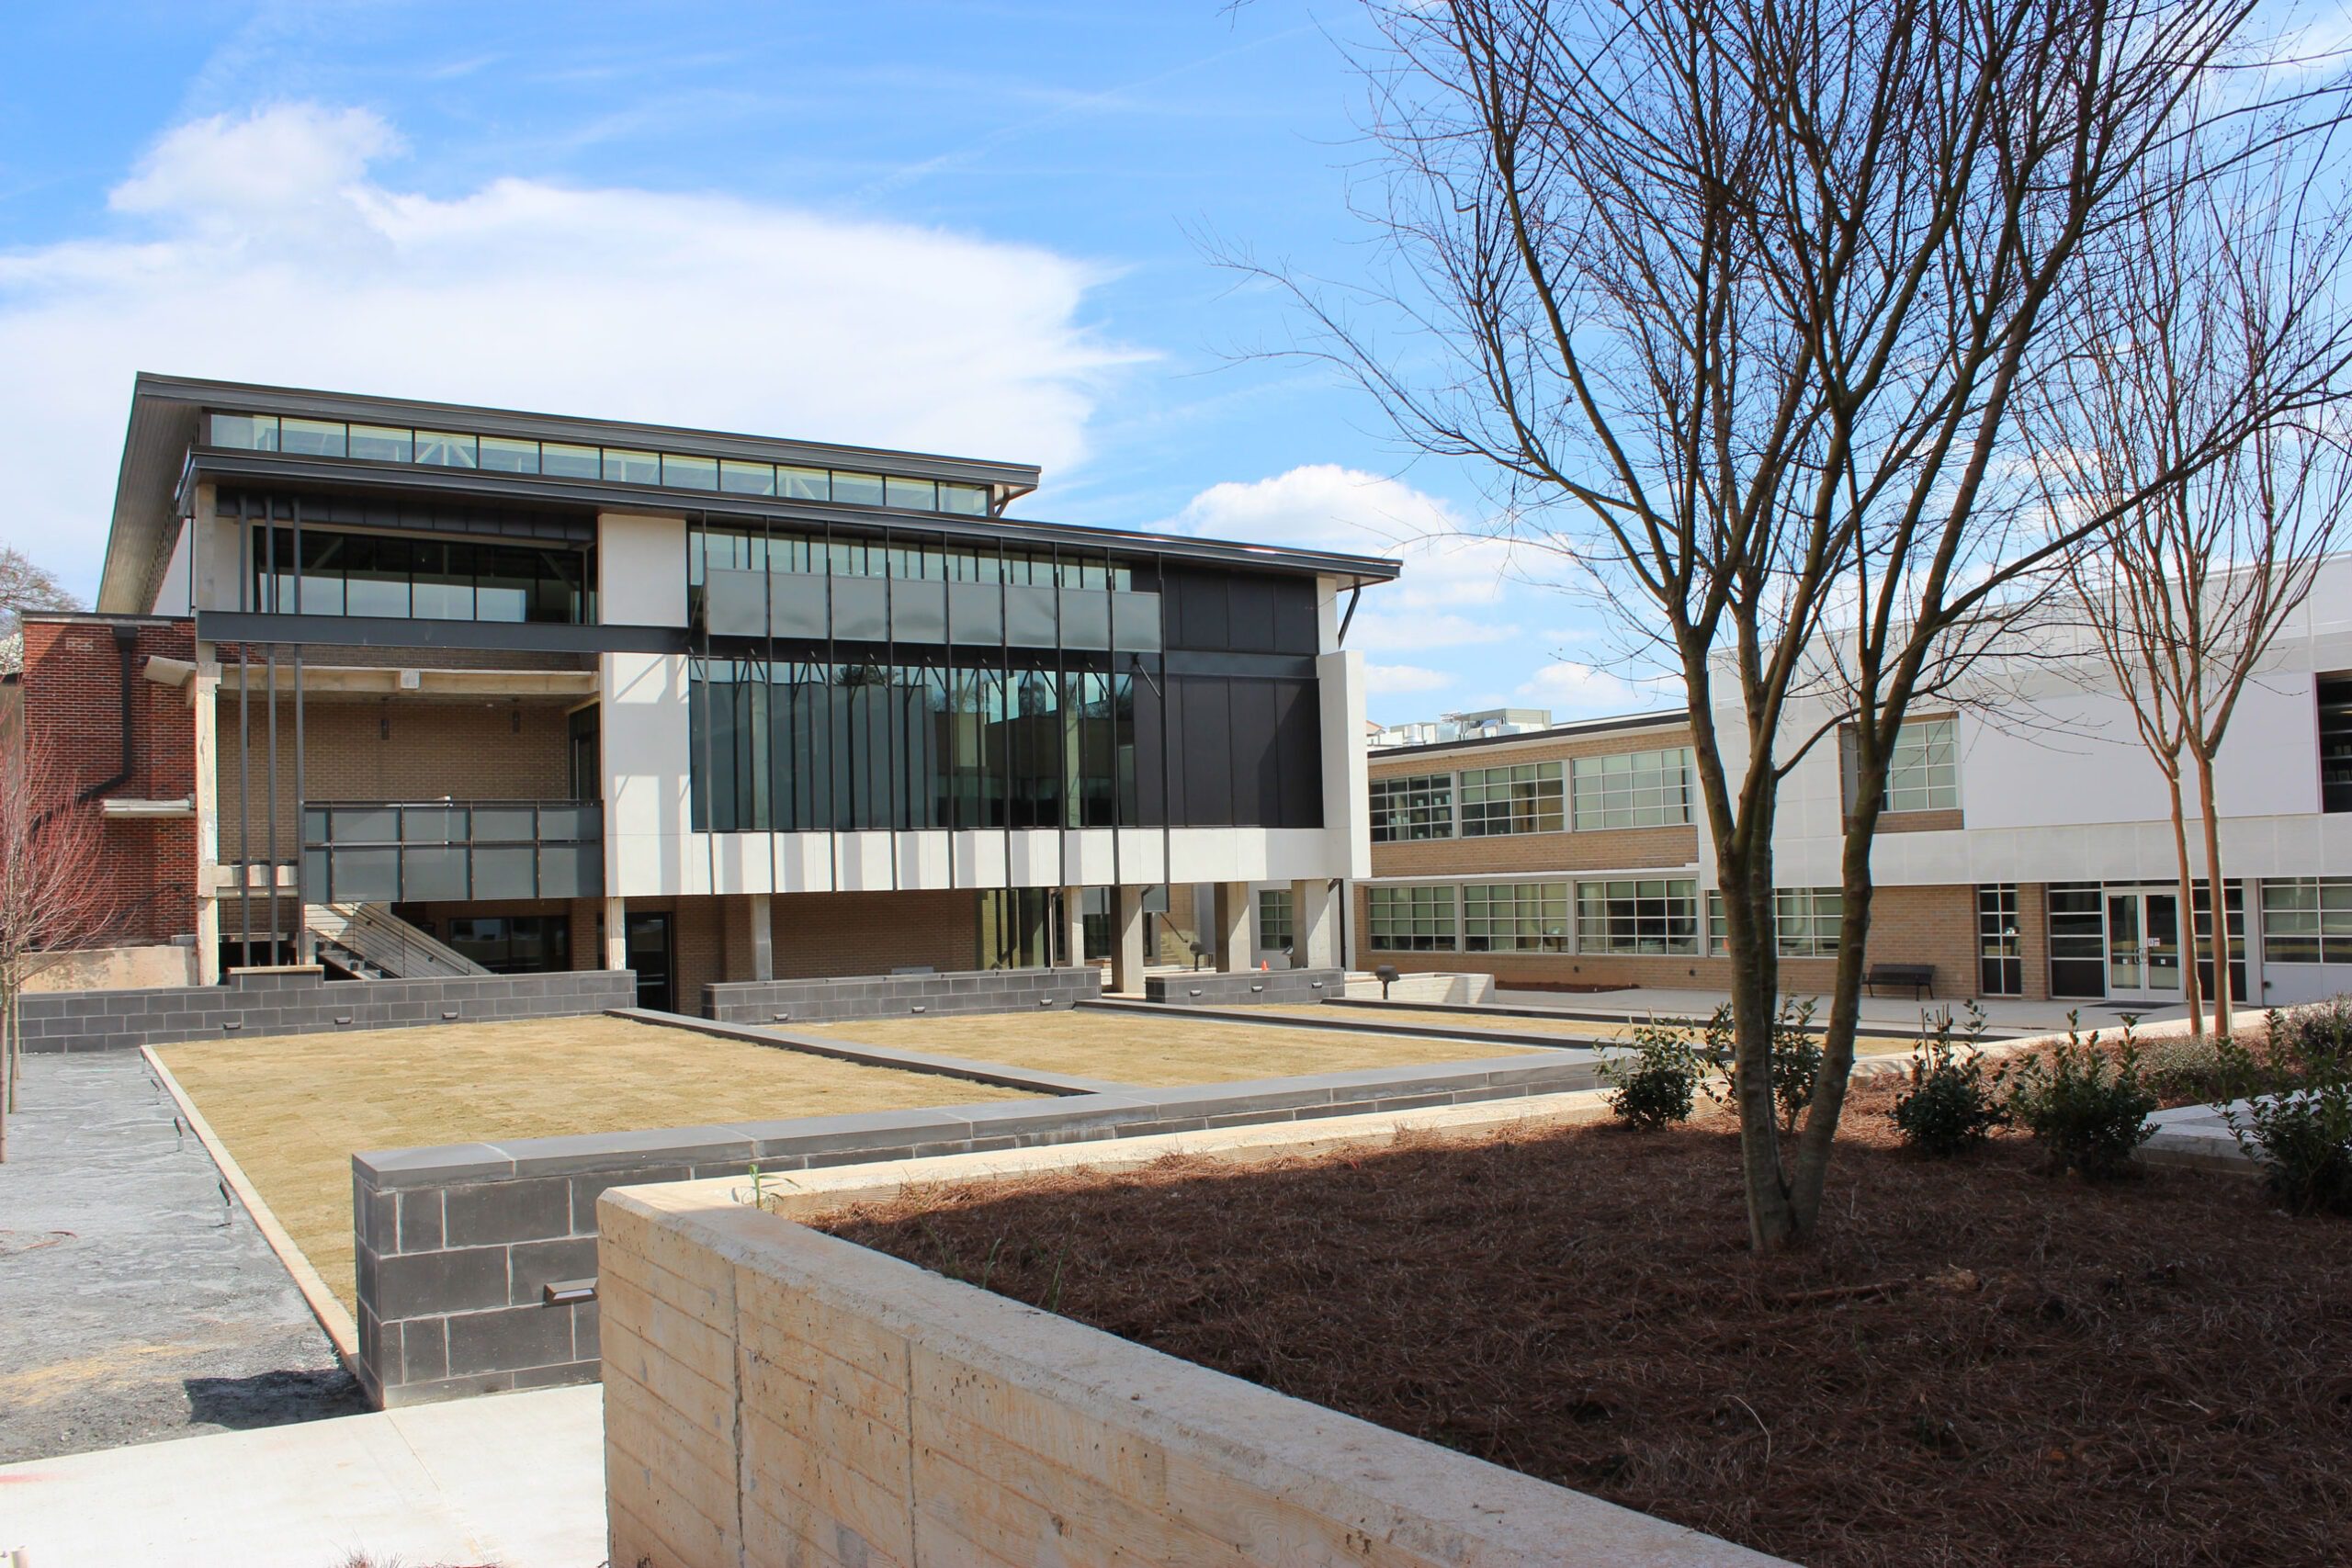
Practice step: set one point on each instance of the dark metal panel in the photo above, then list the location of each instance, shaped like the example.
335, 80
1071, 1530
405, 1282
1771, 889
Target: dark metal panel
736, 602
1298, 741
1295, 630
368, 631
1203, 745
505, 871
1029, 616
1242, 666
1257, 780
1251, 603
1152, 791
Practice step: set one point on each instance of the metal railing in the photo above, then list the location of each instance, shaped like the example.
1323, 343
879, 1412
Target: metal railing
377, 851
383, 942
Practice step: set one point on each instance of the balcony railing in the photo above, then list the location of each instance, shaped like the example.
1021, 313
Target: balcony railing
381, 852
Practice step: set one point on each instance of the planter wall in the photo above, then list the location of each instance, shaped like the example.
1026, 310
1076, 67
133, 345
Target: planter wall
773, 1394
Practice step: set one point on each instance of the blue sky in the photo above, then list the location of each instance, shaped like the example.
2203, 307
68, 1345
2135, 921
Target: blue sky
963, 227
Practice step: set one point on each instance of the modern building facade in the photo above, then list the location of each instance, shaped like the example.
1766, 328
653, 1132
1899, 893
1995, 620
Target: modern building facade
545, 692
2025, 850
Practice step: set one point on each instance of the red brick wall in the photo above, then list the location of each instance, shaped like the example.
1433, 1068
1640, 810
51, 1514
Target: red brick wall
71, 707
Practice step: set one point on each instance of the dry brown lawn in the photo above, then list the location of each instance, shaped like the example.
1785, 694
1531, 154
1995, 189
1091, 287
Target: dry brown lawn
293, 1110
1157, 1052
1583, 1028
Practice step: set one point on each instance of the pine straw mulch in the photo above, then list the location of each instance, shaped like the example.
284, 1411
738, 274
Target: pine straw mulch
1975, 1364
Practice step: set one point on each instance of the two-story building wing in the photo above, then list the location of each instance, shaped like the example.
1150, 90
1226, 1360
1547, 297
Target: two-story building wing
558, 693
2026, 849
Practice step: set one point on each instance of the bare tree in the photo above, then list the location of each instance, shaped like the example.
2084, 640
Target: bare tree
2224, 287
1736, 301
27, 586
52, 899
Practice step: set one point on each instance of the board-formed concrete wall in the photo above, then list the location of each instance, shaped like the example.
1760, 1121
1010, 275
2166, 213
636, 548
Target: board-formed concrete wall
899, 996
298, 1000
454, 1247
773, 1394
1243, 987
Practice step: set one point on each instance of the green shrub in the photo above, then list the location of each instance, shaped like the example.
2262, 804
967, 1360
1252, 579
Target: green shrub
1655, 1086
1952, 1104
2296, 1120
1796, 1061
2089, 1112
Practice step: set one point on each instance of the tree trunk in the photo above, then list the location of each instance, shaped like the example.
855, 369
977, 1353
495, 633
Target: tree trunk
2192, 989
1751, 944
1820, 1128
2214, 885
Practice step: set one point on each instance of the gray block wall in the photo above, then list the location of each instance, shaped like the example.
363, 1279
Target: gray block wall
300, 1001
1204, 988
899, 996
456, 1246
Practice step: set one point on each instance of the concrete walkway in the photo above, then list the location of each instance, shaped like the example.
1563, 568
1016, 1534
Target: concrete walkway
136, 1302
2005, 1015
516, 1480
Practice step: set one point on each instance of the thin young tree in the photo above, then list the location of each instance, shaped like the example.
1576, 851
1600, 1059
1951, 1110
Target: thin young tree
1736, 301
2223, 285
52, 897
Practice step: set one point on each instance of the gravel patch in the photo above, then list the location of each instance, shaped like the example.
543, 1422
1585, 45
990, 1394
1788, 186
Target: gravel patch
136, 1302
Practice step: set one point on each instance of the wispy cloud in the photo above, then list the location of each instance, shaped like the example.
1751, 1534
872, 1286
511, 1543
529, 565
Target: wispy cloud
269, 247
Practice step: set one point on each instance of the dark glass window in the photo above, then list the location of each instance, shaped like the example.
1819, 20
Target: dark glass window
513, 945
2000, 950
2336, 742
2078, 940
401, 577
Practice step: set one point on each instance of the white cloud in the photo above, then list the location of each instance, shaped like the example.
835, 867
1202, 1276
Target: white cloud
1447, 562
272, 248
1573, 689
1402, 680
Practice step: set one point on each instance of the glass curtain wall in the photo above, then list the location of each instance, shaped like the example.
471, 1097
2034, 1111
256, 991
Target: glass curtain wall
800, 746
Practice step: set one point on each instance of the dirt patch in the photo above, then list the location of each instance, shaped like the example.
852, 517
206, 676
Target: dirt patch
1975, 1365
1158, 1052
293, 1111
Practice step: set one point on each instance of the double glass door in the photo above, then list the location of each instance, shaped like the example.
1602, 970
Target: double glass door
2144, 945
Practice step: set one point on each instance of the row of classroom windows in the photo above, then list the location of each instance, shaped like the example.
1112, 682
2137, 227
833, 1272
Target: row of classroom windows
1624, 789
2302, 919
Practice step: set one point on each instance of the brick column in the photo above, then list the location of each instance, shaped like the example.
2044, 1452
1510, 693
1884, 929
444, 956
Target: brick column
1314, 924
1233, 926
1126, 940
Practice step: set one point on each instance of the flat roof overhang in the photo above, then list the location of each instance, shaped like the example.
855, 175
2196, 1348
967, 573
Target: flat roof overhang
163, 458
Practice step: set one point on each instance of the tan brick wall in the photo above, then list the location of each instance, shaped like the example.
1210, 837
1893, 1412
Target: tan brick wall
872, 933
1950, 821
1516, 853
465, 751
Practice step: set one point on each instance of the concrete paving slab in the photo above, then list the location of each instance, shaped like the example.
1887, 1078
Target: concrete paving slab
516, 1480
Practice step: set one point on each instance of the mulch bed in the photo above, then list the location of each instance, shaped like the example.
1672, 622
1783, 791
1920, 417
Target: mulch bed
1975, 1364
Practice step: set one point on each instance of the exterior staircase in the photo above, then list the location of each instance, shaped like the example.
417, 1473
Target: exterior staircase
368, 941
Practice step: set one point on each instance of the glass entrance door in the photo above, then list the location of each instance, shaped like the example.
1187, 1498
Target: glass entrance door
650, 956
2143, 945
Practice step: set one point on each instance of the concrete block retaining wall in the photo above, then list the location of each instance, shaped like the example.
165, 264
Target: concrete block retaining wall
1445, 989
455, 1245
899, 996
773, 1394
299, 1001
1244, 987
